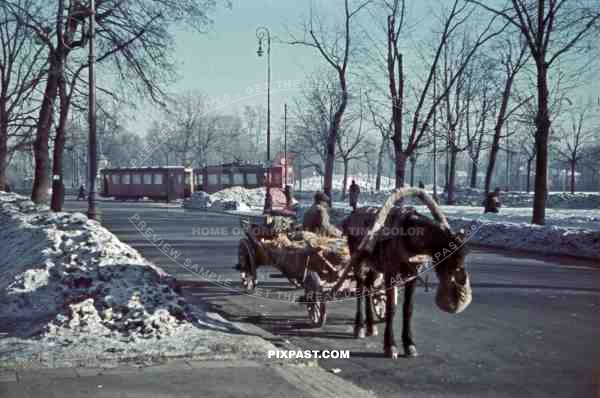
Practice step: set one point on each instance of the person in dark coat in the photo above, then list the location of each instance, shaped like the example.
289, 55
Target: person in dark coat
81, 194
492, 203
354, 191
316, 218
421, 185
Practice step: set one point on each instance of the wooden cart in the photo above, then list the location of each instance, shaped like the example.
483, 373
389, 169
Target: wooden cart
305, 264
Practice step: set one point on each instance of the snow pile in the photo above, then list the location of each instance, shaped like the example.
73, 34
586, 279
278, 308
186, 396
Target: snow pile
62, 274
229, 199
364, 181
558, 200
251, 197
555, 240
574, 238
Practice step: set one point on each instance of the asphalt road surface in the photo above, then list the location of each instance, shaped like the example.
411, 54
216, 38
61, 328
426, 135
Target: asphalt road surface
532, 329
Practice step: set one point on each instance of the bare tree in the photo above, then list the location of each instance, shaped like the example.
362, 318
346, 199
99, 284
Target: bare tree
456, 17
572, 139
336, 53
551, 28
21, 65
512, 62
349, 142
132, 34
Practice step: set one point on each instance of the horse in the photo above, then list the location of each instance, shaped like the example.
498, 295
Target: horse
384, 241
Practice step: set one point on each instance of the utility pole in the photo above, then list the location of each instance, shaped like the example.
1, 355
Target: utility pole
435, 196
285, 142
92, 166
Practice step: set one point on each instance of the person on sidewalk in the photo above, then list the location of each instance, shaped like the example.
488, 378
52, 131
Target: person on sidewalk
421, 185
354, 191
81, 194
316, 218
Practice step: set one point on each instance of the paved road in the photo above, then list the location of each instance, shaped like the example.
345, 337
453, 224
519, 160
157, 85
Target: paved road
532, 329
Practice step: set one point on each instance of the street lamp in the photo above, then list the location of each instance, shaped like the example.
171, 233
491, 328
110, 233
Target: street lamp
263, 32
92, 166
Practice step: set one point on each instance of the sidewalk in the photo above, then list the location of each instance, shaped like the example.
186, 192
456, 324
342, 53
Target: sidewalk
182, 378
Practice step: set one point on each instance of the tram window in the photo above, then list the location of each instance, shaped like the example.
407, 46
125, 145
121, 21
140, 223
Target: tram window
199, 179
238, 179
158, 179
251, 178
115, 178
147, 179
126, 179
179, 179
225, 179
187, 179
213, 179
137, 178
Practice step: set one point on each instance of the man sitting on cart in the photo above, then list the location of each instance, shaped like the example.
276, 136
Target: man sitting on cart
316, 218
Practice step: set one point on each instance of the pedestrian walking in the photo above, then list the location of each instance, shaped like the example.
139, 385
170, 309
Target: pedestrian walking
81, 194
354, 191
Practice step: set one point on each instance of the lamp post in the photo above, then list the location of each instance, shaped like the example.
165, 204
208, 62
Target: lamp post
263, 32
92, 166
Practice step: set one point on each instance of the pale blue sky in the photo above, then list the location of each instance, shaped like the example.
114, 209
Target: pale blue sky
224, 61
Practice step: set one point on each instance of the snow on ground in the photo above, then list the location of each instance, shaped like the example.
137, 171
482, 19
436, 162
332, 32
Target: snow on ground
229, 199
71, 291
364, 181
560, 200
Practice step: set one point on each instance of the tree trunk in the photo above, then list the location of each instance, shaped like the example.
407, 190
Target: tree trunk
380, 165
58, 186
345, 181
39, 192
474, 169
400, 165
542, 133
573, 164
413, 164
527, 185
450, 199
331, 138
3, 146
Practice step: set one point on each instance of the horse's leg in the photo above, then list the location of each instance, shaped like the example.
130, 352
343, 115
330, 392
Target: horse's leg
389, 343
370, 283
407, 310
359, 324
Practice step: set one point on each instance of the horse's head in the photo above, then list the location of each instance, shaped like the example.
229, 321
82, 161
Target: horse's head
454, 290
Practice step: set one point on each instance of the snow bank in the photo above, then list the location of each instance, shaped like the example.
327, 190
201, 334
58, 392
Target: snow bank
551, 240
229, 199
62, 273
71, 293
558, 200
364, 181
492, 230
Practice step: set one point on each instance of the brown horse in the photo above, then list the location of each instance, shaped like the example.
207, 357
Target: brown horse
384, 241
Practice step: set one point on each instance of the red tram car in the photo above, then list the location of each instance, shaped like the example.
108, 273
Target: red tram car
160, 183
212, 179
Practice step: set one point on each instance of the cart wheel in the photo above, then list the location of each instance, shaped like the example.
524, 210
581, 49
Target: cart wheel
247, 268
378, 301
317, 310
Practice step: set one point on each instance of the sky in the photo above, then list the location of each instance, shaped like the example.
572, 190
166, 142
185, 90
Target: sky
223, 62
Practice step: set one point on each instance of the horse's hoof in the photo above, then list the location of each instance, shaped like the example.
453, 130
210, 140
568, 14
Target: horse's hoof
372, 331
391, 352
359, 333
411, 351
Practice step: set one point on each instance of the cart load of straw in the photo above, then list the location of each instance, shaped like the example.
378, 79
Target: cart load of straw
307, 250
